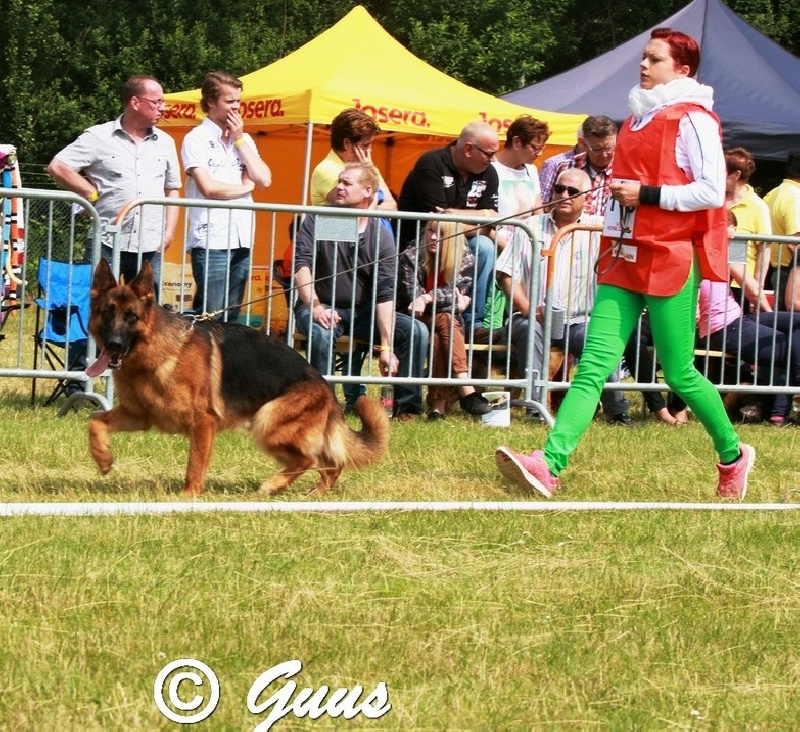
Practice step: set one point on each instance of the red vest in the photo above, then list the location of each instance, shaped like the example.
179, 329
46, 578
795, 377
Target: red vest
658, 256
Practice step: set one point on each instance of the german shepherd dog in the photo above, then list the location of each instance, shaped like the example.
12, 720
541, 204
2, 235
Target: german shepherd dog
198, 377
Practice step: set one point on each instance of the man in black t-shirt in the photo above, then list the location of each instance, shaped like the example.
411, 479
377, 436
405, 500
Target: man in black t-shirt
459, 179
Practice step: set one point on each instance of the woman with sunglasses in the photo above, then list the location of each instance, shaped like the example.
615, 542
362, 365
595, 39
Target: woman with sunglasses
670, 232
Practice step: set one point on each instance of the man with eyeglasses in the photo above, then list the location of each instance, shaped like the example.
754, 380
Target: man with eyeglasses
519, 196
459, 179
573, 285
594, 153
113, 163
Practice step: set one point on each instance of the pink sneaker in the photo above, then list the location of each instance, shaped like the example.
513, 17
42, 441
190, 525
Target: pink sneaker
526, 470
733, 478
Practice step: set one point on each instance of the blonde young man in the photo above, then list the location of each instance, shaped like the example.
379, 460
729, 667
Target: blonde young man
221, 163
354, 291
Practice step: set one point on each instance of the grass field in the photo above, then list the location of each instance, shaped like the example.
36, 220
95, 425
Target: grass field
473, 620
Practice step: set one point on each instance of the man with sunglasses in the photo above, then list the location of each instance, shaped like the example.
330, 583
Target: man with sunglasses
459, 179
594, 153
113, 163
573, 285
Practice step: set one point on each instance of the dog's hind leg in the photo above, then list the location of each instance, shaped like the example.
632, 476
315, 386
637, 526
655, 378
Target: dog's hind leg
328, 475
201, 443
294, 464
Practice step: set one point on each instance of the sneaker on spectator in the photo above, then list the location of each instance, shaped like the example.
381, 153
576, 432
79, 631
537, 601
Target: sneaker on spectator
733, 478
535, 416
474, 404
527, 470
623, 419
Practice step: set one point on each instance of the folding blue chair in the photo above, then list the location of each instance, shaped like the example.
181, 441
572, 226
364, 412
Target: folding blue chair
62, 338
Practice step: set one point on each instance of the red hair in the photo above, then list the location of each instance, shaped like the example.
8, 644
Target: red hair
682, 47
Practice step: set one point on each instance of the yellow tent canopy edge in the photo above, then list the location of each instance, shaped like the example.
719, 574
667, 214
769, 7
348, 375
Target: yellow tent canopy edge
356, 63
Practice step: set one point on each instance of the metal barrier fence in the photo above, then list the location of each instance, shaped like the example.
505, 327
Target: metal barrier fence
270, 297
733, 363
57, 227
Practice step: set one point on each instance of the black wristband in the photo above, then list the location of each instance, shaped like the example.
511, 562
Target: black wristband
650, 194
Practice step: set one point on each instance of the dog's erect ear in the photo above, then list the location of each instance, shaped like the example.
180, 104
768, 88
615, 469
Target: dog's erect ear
142, 284
103, 279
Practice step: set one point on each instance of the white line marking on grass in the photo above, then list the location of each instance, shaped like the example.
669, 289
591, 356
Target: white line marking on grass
96, 509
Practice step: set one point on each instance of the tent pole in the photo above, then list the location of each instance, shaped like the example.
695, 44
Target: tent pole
307, 164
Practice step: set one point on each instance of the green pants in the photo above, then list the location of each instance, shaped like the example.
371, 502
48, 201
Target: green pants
614, 316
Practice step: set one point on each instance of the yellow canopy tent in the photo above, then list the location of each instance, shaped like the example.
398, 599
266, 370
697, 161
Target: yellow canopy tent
355, 63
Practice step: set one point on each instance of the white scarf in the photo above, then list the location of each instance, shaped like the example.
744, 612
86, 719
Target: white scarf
643, 102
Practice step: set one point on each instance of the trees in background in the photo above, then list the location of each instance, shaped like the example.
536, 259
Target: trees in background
62, 64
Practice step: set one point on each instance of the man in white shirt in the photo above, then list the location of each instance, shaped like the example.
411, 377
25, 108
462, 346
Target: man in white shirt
221, 163
518, 195
116, 162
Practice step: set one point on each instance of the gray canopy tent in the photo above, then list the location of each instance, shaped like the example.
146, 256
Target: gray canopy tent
756, 82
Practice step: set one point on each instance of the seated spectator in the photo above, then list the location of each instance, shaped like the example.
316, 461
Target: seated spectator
352, 133
784, 208
434, 281
573, 288
752, 214
352, 291
519, 193
458, 179
519, 197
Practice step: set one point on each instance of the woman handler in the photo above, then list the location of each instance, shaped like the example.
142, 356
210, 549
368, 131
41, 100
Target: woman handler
669, 226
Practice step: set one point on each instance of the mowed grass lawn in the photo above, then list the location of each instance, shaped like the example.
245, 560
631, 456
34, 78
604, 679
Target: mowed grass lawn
473, 620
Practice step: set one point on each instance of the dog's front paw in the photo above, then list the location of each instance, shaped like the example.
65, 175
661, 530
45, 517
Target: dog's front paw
104, 463
100, 447
103, 457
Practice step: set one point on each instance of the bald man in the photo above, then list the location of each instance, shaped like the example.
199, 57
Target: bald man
459, 179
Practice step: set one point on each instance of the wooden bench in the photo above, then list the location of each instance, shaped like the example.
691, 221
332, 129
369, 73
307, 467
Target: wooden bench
340, 351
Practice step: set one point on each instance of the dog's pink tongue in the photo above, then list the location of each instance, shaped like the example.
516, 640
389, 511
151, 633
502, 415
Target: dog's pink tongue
100, 365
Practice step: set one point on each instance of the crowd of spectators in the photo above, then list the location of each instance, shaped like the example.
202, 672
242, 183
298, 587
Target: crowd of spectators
425, 299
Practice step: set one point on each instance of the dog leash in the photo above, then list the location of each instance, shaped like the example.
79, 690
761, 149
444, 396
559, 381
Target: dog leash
625, 214
200, 317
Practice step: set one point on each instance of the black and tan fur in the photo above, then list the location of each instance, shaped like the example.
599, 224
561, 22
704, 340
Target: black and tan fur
198, 377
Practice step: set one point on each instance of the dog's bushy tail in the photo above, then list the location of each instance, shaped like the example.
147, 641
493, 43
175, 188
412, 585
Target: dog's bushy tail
357, 449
